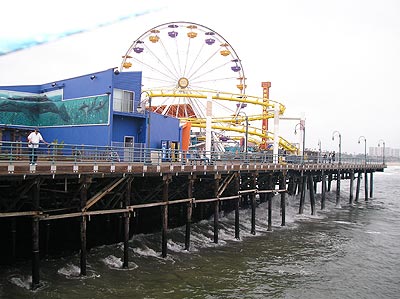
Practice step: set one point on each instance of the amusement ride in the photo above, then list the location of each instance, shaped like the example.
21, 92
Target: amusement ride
186, 66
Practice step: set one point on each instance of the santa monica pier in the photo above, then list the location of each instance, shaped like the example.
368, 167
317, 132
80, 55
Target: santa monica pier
168, 138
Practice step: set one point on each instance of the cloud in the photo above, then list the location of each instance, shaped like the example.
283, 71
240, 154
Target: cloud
43, 21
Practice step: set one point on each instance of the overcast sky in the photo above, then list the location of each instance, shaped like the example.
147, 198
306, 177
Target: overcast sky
338, 62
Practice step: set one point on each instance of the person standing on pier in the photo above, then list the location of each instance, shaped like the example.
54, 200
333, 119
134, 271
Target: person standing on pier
34, 139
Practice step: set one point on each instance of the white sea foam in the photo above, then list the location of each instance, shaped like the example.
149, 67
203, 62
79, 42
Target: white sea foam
175, 246
22, 281
116, 263
72, 271
69, 271
146, 251
113, 262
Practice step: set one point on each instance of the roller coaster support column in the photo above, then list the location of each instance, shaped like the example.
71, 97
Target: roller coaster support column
276, 134
264, 127
208, 125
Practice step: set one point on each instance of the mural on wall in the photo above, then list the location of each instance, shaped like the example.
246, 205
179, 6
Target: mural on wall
49, 109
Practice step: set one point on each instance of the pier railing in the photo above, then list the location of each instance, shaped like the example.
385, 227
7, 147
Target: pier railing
12, 152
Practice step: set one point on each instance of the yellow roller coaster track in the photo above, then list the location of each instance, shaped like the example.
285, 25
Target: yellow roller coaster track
230, 123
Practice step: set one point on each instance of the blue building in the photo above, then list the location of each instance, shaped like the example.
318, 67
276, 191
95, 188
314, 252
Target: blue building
101, 108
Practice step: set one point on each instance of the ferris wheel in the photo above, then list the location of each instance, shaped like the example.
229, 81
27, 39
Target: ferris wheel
182, 61
184, 65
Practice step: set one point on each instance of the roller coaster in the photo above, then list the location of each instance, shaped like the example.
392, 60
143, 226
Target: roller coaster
184, 65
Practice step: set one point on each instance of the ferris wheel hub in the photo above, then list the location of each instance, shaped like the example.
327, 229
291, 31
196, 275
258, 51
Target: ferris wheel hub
183, 82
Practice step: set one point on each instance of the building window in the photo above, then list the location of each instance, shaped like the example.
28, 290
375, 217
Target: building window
123, 100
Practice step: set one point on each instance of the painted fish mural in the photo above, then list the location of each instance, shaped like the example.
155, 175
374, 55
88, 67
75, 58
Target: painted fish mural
33, 107
31, 110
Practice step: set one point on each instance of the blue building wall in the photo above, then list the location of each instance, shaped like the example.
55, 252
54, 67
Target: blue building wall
92, 135
128, 126
87, 91
163, 128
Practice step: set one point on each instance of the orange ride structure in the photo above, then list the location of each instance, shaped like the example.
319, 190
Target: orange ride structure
191, 72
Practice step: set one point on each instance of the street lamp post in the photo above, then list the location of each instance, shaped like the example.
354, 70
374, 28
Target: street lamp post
340, 144
338, 171
302, 127
383, 151
365, 147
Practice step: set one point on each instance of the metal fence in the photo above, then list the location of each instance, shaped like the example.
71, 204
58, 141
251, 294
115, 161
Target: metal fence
138, 153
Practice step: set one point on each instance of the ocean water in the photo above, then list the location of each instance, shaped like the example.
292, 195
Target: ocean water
347, 252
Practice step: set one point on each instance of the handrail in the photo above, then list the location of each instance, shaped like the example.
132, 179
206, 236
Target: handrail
19, 151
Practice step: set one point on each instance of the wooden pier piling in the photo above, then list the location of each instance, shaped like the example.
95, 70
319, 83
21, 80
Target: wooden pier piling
311, 190
83, 256
35, 236
338, 188
358, 186
323, 190
35, 253
216, 208
237, 206
282, 186
303, 193
128, 192
365, 185
329, 182
164, 213
253, 204
189, 212
371, 185
269, 198
351, 187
